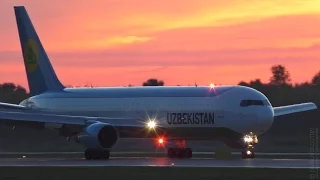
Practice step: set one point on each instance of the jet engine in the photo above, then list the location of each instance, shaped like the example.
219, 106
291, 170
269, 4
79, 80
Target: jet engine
99, 136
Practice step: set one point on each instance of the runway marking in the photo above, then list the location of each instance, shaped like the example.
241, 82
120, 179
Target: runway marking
162, 162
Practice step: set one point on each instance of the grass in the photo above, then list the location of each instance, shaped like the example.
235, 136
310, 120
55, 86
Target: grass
154, 173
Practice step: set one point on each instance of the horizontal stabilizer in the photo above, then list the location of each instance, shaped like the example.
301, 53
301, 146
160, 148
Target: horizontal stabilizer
282, 110
11, 106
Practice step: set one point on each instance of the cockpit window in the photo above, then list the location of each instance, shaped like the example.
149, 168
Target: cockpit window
266, 103
245, 103
257, 102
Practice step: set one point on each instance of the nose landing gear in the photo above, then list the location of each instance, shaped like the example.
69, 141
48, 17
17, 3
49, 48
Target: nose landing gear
249, 140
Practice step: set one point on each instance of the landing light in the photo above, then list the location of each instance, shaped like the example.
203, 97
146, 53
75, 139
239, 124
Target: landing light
248, 139
151, 124
160, 141
248, 152
211, 85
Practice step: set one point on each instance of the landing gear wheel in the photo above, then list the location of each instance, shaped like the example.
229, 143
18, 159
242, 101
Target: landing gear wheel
170, 153
88, 154
105, 154
96, 154
247, 154
179, 153
188, 153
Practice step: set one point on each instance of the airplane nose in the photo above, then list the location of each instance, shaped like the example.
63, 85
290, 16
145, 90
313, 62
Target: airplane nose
266, 119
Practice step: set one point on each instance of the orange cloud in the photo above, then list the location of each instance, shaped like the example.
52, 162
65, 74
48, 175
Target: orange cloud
106, 42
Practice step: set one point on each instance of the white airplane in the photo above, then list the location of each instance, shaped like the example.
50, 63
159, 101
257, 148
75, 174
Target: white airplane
98, 117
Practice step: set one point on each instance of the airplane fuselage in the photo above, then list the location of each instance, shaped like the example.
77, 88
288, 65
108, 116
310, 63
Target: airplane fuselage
202, 112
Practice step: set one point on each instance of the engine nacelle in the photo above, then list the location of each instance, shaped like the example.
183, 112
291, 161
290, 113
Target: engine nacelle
99, 136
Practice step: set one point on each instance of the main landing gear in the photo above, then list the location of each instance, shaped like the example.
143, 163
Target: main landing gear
180, 151
249, 141
96, 154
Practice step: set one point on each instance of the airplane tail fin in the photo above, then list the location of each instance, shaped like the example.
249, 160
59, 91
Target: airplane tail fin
40, 74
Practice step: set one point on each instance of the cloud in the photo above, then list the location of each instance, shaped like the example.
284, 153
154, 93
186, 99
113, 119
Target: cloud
115, 41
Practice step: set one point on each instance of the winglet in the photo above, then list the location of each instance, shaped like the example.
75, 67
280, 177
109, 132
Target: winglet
40, 74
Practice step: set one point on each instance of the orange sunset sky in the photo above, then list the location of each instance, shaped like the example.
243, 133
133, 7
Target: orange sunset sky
121, 42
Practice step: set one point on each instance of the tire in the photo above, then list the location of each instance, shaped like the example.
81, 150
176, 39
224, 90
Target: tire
170, 153
188, 153
105, 154
88, 154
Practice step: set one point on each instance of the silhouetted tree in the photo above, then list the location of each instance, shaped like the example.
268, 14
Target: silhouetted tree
153, 82
242, 83
316, 79
280, 76
257, 84
88, 85
11, 93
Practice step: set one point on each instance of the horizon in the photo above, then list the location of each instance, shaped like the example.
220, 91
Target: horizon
115, 43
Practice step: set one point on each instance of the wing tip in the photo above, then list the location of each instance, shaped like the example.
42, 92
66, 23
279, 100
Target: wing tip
294, 108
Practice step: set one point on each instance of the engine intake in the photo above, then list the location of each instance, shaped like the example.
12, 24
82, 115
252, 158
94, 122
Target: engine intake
108, 136
99, 135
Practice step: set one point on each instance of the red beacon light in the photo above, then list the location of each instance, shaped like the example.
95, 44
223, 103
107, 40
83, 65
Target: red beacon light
160, 141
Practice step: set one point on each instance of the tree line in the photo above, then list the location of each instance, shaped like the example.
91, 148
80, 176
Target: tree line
279, 89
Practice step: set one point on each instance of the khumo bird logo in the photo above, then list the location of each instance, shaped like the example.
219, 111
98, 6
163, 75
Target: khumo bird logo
31, 55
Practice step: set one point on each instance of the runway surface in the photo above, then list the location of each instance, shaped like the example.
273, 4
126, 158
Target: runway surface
152, 161
153, 153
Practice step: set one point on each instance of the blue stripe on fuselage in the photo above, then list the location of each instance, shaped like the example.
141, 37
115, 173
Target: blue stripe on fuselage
134, 92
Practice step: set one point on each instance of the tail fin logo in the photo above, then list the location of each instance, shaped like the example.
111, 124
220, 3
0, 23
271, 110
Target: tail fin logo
31, 55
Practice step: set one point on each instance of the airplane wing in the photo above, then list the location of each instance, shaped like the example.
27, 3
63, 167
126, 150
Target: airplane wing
27, 115
11, 106
282, 110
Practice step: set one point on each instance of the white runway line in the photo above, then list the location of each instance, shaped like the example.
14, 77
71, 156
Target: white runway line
162, 162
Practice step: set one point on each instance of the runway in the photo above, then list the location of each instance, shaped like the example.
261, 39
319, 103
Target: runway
163, 162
